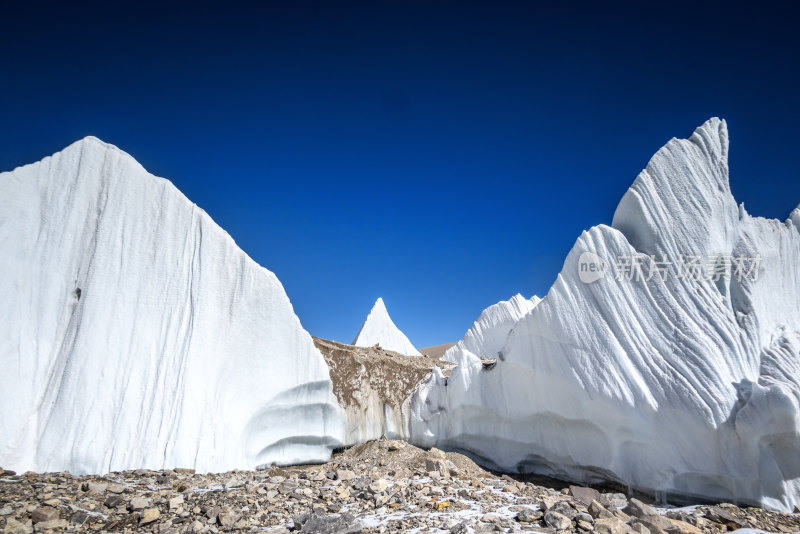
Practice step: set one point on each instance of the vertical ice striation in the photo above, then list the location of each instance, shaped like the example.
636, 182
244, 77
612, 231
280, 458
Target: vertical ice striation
689, 386
135, 333
378, 328
489, 332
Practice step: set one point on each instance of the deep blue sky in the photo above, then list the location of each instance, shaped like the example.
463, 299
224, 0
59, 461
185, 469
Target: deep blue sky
443, 155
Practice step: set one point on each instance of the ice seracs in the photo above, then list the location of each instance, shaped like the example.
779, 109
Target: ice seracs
489, 332
678, 384
378, 328
134, 333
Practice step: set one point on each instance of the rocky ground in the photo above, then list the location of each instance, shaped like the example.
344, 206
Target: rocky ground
378, 486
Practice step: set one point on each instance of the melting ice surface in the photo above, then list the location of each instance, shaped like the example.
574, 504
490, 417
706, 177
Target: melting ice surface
680, 385
136, 334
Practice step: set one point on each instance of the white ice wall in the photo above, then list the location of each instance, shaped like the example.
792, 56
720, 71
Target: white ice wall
688, 387
135, 333
378, 328
486, 337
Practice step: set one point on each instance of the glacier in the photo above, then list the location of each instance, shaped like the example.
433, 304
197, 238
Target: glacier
378, 328
487, 335
682, 386
134, 333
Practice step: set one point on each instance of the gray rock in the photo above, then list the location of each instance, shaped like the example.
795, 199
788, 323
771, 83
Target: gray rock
617, 500
213, 512
584, 495
234, 482
137, 503
98, 487
556, 520
610, 525
719, 515
654, 523
361, 483
227, 518
6, 510
378, 486
637, 508
176, 502
79, 518
43, 514
598, 511
640, 528
113, 501
564, 508
331, 524
527, 515
436, 453
344, 474
461, 528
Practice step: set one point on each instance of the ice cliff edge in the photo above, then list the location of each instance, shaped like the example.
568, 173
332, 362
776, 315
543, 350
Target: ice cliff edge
674, 368
135, 333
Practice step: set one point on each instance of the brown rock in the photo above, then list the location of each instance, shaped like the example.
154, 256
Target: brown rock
655, 523
53, 524
116, 488
15, 527
149, 515
637, 508
436, 453
597, 511
184, 471
682, 527
137, 503
649, 526
45, 513
610, 525
720, 515
227, 519
176, 502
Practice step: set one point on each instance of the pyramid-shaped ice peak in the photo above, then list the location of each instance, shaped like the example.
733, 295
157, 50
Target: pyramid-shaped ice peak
378, 328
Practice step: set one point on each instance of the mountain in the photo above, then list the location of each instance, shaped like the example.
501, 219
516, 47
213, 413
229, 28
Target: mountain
489, 332
378, 328
134, 333
638, 366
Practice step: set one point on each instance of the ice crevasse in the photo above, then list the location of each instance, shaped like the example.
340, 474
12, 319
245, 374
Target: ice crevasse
135, 333
684, 386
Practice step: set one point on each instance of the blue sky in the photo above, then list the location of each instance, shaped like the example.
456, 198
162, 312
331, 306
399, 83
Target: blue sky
442, 155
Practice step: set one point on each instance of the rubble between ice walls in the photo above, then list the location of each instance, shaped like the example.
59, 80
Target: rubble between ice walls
683, 383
